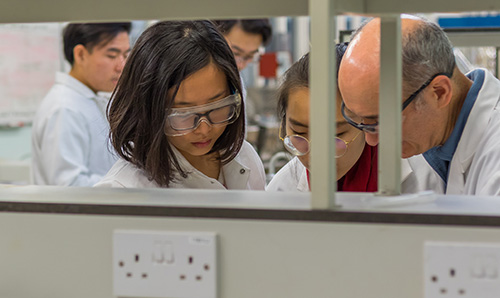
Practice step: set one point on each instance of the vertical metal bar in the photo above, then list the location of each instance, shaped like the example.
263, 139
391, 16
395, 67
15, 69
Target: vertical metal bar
323, 96
497, 66
389, 176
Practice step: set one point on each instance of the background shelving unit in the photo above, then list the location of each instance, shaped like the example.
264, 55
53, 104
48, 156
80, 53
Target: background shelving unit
322, 13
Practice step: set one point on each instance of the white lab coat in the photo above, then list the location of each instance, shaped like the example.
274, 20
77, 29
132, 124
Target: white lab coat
293, 176
245, 171
475, 166
70, 144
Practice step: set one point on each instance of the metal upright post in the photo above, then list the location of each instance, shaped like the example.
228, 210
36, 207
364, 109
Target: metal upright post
323, 97
389, 175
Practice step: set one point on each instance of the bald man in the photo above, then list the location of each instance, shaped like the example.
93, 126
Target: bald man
451, 118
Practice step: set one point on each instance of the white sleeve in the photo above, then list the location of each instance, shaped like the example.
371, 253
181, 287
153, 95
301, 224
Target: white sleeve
65, 149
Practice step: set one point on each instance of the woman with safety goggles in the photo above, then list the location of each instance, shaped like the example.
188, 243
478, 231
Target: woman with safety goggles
356, 160
177, 116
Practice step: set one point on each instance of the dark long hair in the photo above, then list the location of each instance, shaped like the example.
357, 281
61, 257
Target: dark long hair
163, 56
297, 76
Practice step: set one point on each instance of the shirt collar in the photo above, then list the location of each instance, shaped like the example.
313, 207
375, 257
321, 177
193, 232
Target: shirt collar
439, 157
71, 82
236, 175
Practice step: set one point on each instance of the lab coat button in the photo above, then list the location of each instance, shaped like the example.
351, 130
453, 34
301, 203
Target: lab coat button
242, 171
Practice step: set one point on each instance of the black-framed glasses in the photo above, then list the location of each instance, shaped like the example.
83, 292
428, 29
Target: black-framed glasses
373, 127
408, 101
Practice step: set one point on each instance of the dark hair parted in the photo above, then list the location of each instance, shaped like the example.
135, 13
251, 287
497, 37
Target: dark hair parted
89, 35
164, 55
254, 26
297, 76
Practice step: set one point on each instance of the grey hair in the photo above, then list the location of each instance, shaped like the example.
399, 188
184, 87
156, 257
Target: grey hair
426, 52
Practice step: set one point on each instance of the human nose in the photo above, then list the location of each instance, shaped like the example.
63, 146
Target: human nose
120, 64
371, 138
203, 127
241, 64
305, 160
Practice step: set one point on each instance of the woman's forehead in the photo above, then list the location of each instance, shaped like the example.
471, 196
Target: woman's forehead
206, 84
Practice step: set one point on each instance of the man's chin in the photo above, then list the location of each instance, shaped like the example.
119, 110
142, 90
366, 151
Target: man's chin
408, 151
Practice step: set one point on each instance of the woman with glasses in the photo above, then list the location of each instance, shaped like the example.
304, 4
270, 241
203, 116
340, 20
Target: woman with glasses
356, 160
177, 114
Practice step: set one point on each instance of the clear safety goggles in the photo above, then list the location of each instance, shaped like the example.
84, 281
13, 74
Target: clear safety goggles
181, 121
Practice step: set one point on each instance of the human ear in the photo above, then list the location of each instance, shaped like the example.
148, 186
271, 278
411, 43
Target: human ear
442, 90
79, 53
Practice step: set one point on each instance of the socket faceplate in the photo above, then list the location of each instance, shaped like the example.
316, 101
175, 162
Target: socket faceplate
453, 269
164, 264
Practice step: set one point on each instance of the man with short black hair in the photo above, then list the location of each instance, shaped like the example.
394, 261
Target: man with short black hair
70, 130
245, 37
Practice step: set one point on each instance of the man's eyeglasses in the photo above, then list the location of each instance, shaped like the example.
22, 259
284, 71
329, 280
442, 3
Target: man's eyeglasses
299, 145
181, 121
246, 58
373, 127
241, 57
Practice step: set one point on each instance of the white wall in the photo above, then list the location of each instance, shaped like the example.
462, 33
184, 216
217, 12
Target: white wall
47, 255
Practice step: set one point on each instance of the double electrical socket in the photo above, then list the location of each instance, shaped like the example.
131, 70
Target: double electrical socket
459, 270
164, 264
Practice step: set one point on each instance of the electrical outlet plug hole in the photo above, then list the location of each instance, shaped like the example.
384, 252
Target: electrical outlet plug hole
461, 292
443, 291
190, 260
144, 275
452, 272
206, 267
129, 274
121, 264
434, 278
182, 277
137, 258
198, 277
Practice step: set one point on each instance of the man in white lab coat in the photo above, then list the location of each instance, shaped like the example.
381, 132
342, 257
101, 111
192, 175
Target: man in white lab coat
70, 130
451, 118
246, 38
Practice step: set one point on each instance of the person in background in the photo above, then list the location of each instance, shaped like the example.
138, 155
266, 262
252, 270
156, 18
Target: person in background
356, 161
449, 117
69, 134
246, 38
177, 114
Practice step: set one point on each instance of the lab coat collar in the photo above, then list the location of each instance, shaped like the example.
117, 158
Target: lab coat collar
303, 184
236, 175
406, 169
71, 82
478, 119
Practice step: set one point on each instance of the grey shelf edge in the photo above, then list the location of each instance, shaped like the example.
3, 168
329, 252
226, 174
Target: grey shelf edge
25, 11
350, 217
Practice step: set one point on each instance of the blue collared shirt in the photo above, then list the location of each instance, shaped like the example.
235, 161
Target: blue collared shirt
439, 157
